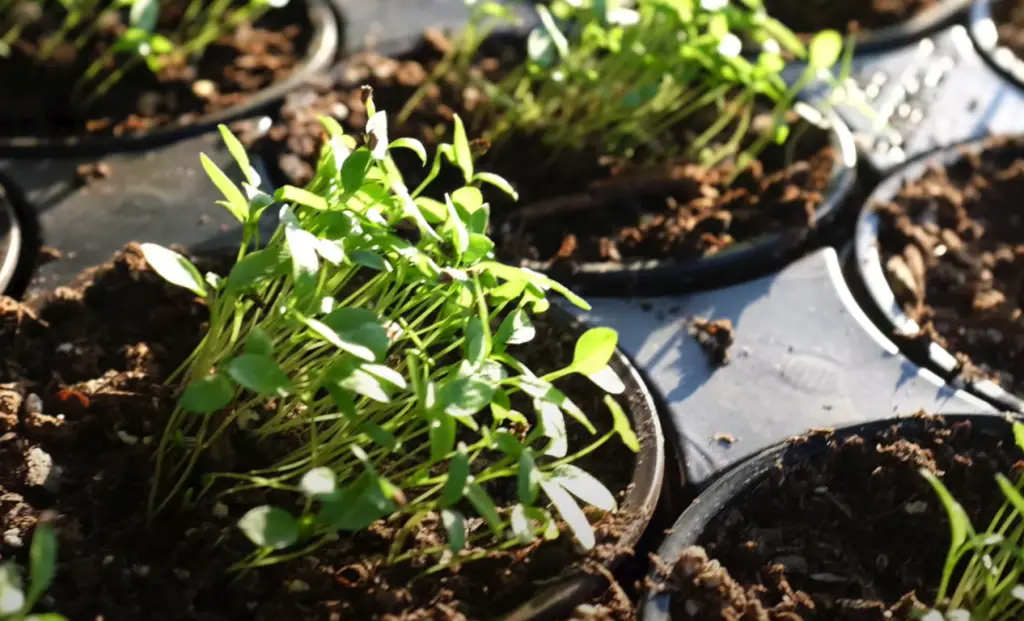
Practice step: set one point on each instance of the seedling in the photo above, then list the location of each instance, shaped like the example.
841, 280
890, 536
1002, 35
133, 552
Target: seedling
16, 602
82, 22
620, 79
992, 561
373, 346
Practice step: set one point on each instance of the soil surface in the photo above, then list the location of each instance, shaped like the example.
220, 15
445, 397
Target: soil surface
575, 206
856, 534
953, 247
42, 95
715, 337
807, 18
1009, 17
81, 407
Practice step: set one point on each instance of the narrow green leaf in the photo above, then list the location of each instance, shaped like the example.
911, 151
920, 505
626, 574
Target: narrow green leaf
42, 561
571, 514
517, 274
483, 504
498, 182
548, 21
520, 525
259, 342
353, 171
174, 268
463, 154
12, 596
455, 526
593, 350
269, 527
362, 383
302, 249
477, 343
292, 194
369, 259
238, 205
207, 394
413, 145
387, 374
442, 436
261, 375
238, 152
458, 475
621, 425
1018, 434
527, 478
459, 234
584, 486
340, 340
552, 425
380, 435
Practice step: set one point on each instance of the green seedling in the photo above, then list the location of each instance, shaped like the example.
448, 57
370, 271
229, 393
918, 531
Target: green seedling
375, 344
16, 602
991, 562
81, 22
598, 74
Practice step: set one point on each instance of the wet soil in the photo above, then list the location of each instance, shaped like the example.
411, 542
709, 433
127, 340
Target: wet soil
953, 247
576, 206
1009, 18
42, 98
855, 534
715, 337
81, 407
807, 18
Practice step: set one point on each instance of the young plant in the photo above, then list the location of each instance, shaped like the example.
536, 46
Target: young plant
376, 345
81, 23
992, 561
16, 602
622, 79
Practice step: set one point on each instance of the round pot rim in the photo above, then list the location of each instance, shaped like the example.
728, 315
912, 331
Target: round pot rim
10, 252
985, 34
868, 258
319, 56
733, 264
905, 32
560, 598
686, 531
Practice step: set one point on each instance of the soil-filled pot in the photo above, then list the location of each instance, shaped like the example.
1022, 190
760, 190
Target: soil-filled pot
82, 400
937, 247
997, 27
835, 525
879, 24
65, 91
601, 225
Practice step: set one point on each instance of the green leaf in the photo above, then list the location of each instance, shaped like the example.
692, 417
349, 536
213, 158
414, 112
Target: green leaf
362, 383
380, 435
959, 522
480, 247
470, 199
207, 394
1018, 434
261, 375
259, 342
42, 561
413, 145
455, 526
498, 182
234, 146
144, 14
305, 260
270, 527
520, 525
12, 596
527, 478
369, 259
360, 327
463, 154
174, 268
571, 513
442, 435
552, 425
516, 274
620, 424
825, 49
608, 380
353, 171
236, 202
584, 486
292, 194
387, 374
464, 396
340, 339
483, 504
318, 482
458, 475
432, 210
46, 616
540, 389
593, 350
478, 345
253, 269
515, 329
459, 233
548, 21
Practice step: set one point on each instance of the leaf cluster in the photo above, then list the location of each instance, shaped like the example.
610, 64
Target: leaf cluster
376, 338
16, 602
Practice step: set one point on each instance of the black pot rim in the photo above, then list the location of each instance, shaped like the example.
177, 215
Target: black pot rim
740, 262
984, 32
687, 530
557, 600
10, 242
868, 259
909, 31
323, 47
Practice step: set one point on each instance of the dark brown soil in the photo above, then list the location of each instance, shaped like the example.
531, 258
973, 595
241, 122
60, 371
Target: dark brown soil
715, 337
39, 98
575, 206
852, 535
81, 407
807, 18
953, 246
1009, 17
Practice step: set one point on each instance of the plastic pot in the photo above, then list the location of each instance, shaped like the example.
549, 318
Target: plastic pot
10, 242
738, 481
985, 33
738, 263
557, 600
323, 48
917, 27
869, 265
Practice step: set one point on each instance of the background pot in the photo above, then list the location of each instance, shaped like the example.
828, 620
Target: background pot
917, 27
10, 242
557, 600
985, 33
323, 48
740, 262
887, 309
691, 525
